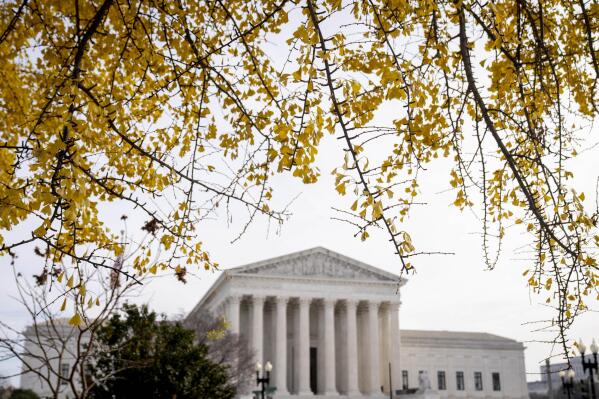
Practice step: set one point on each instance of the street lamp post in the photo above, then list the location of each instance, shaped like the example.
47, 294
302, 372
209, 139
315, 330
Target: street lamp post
590, 364
567, 381
264, 381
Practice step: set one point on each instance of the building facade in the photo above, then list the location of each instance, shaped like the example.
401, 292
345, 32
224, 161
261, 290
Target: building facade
330, 326
552, 373
464, 364
554, 368
50, 353
326, 322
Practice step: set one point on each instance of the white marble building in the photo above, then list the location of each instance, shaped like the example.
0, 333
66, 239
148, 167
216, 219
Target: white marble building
50, 353
330, 326
333, 324
464, 364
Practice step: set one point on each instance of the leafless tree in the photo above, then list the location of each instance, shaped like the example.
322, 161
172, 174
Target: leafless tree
55, 350
224, 347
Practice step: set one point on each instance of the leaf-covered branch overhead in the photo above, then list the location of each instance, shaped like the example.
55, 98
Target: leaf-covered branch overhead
180, 107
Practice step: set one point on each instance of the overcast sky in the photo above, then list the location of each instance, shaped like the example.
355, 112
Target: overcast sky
450, 292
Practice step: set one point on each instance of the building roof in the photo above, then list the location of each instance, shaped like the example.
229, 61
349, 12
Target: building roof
314, 263
318, 254
457, 339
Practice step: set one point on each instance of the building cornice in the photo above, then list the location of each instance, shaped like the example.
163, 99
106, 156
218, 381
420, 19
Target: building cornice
319, 279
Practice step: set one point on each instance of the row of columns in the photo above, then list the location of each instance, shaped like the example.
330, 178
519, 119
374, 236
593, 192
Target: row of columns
303, 349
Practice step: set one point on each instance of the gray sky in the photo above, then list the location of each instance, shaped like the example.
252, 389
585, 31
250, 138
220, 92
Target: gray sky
451, 292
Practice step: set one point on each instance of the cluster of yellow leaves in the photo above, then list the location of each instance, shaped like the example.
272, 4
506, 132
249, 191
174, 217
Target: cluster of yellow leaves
189, 103
408, 64
219, 331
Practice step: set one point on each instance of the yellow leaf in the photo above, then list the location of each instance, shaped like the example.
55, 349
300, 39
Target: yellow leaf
532, 282
75, 320
70, 282
40, 231
377, 210
297, 75
355, 87
64, 305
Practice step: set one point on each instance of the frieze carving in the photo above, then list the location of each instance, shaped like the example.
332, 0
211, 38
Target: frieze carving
316, 265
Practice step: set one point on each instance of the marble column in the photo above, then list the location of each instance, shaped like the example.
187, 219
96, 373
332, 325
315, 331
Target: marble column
303, 350
258, 327
374, 363
280, 366
394, 347
233, 313
329, 347
352, 348
385, 348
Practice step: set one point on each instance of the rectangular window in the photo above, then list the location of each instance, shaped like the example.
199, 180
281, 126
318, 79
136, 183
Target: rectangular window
65, 370
478, 380
441, 384
459, 380
496, 382
404, 380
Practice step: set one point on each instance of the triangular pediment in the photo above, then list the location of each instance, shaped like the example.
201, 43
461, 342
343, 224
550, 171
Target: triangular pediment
318, 263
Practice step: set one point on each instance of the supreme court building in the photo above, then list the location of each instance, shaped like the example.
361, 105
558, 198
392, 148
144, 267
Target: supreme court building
330, 326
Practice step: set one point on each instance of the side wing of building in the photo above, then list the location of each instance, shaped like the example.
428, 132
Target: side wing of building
49, 356
464, 364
